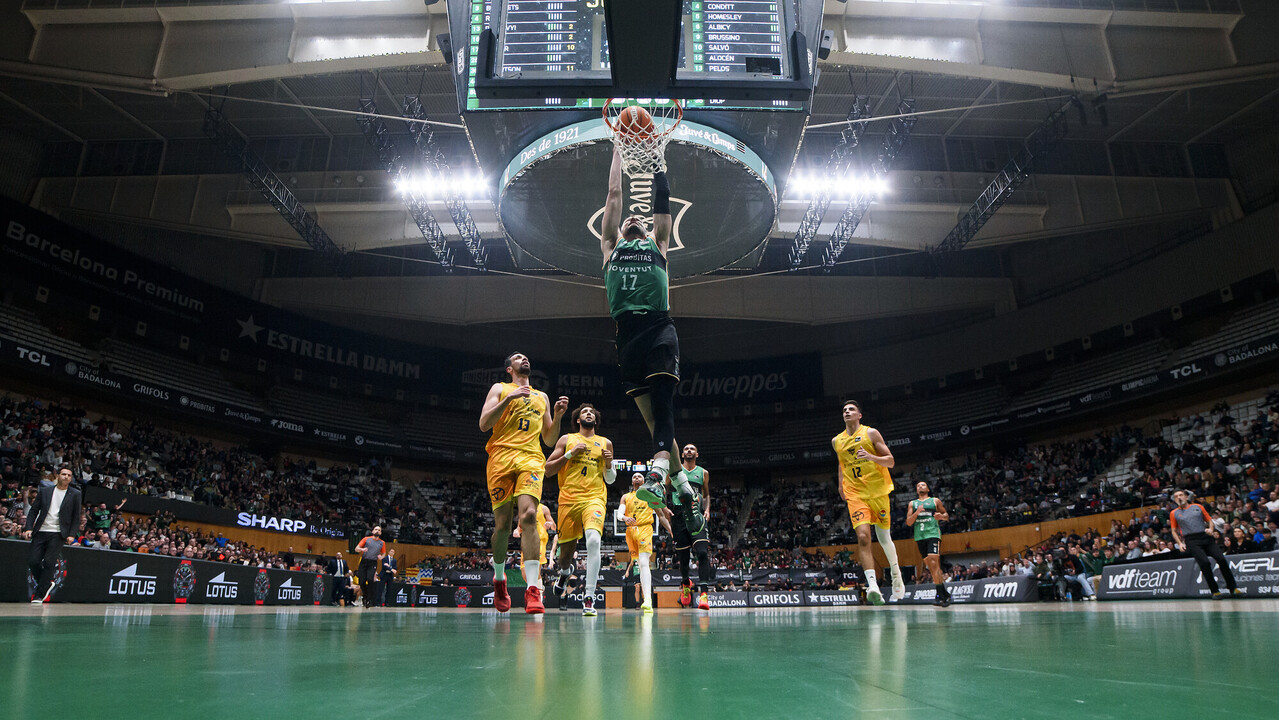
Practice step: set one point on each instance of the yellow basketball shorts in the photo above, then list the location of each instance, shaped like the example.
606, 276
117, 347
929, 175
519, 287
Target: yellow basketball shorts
574, 520
512, 473
868, 511
639, 540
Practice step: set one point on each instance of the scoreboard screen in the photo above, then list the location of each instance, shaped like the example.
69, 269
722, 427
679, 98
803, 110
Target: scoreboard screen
540, 40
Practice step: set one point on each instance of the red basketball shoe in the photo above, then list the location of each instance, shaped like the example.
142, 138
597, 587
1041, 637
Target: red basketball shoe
501, 598
532, 601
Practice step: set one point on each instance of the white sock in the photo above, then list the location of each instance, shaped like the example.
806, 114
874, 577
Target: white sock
646, 578
890, 550
499, 571
533, 573
871, 582
592, 561
680, 482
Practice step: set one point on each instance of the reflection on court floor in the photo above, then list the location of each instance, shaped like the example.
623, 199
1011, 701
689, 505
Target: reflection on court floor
1115, 660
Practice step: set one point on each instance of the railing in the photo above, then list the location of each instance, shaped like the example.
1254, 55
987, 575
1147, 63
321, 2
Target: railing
942, 195
319, 195
132, 4
1227, 7
961, 196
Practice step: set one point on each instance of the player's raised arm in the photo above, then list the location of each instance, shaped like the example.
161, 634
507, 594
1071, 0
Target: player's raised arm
940, 513
551, 420
661, 211
610, 474
559, 456
884, 458
494, 404
612, 206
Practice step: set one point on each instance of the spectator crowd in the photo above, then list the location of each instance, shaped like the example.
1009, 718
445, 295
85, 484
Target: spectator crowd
141, 459
1233, 458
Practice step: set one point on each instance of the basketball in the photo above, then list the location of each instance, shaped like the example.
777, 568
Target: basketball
634, 122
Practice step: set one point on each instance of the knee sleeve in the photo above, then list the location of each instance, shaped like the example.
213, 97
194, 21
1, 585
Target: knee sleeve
643, 561
662, 399
593, 543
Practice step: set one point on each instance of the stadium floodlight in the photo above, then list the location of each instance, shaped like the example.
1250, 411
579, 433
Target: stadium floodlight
275, 190
894, 142
376, 132
433, 186
841, 156
1014, 173
848, 187
457, 188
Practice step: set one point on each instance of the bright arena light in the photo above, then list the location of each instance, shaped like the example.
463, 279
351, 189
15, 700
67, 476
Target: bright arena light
807, 187
430, 186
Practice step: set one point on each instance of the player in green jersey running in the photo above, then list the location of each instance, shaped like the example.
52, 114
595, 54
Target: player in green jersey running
924, 514
638, 291
698, 543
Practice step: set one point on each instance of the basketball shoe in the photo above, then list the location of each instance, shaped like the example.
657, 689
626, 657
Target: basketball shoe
532, 601
651, 491
501, 598
691, 512
703, 602
686, 594
588, 606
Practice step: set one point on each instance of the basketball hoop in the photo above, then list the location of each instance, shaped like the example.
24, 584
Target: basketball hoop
640, 130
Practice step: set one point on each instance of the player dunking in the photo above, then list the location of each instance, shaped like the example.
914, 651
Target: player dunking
518, 415
697, 543
639, 519
637, 286
584, 461
924, 514
864, 483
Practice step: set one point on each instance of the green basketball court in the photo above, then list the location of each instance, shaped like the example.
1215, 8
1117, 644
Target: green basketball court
1099, 660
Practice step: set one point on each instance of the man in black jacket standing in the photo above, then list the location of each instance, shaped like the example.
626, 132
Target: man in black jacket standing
338, 569
53, 520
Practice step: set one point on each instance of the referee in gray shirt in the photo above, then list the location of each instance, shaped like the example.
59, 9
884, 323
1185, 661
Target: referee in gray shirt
1193, 530
372, 549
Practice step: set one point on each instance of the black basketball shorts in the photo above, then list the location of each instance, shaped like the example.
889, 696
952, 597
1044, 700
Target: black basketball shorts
647, 347
928, 546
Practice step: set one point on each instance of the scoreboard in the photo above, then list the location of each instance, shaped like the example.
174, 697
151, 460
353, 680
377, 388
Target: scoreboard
566, 40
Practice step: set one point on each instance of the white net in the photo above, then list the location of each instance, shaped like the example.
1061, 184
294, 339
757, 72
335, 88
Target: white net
641, 130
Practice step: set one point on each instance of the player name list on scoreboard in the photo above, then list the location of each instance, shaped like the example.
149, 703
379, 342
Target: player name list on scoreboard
725, 34
543, 36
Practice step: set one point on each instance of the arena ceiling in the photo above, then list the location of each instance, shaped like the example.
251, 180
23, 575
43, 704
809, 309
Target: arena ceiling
80, 71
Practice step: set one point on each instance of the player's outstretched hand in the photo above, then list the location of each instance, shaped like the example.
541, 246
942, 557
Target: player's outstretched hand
561, 406
608, 457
